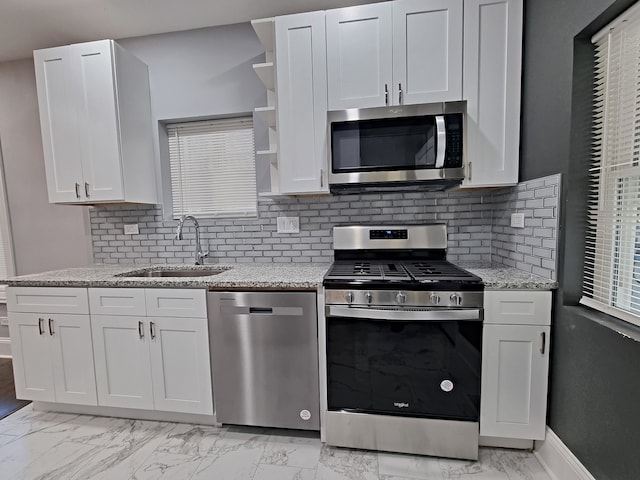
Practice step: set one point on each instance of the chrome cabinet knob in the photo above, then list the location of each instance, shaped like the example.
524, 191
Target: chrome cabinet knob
401, 298
455, 299
349, 297
368, 297
434, 298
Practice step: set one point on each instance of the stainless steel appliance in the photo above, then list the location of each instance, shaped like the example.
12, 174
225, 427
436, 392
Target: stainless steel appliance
403, 343
264, 358
391, 147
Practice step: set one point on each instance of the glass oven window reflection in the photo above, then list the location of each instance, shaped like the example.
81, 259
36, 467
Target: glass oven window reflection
418, 369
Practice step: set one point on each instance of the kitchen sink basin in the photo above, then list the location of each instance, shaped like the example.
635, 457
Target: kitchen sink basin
196, 272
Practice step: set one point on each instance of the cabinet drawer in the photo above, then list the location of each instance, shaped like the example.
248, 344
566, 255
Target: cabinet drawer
168, 302
47, 300
117, 301
517, 307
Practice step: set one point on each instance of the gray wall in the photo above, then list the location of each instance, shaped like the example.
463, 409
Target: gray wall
203, 73
45, 236
594, 386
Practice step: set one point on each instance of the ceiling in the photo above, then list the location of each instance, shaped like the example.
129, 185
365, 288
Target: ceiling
27, 25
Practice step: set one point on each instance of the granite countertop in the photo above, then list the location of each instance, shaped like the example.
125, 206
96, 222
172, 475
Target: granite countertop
501, 277
289, 276
273, 276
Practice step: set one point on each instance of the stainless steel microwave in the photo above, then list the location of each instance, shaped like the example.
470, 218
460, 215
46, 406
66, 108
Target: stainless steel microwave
382, 148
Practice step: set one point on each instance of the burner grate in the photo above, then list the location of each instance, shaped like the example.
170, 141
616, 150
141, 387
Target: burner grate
368, 270
435, 270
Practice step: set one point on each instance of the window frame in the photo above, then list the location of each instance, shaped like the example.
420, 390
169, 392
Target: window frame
608, 258
167, 180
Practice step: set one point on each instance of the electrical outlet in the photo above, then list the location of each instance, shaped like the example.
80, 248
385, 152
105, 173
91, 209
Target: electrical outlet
131, 229
288, 224
517, 220
4, 322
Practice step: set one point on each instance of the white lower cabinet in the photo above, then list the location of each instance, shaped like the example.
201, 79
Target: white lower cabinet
180, 365
155, 362
123, 366
139, 348
515, 364
52, 357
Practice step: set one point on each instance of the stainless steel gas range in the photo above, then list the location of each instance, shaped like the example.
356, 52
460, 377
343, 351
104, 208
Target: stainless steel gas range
403, 343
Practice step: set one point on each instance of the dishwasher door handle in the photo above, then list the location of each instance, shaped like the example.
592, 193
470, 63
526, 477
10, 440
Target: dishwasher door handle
260, 311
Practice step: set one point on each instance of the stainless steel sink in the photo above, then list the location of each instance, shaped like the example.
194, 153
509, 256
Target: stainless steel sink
199, 272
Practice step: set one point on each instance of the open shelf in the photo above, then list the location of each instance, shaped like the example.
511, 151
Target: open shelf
266, 73
268, 114
271, 154
264, 28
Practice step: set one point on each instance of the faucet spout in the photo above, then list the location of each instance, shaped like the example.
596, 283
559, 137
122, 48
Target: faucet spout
200, 255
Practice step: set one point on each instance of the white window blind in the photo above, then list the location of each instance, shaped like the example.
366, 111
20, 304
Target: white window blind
612, 260
213, 168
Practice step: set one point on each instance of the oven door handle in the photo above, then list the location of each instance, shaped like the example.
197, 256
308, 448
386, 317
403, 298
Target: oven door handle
405, 315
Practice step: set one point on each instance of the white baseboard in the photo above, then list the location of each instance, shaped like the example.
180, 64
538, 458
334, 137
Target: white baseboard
559, 462
134, 413
5, 347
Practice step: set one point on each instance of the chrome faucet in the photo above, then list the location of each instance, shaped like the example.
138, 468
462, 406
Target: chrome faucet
200, 255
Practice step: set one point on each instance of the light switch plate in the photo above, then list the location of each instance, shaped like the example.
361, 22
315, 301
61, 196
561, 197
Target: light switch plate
131, 229
517, 220
288, 224
4, 322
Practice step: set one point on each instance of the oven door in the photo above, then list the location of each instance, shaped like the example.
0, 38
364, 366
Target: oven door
417, 363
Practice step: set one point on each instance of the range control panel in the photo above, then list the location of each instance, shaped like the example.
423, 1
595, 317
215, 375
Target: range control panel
388, 234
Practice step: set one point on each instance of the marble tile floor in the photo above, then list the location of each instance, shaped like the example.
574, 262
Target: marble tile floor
54, 446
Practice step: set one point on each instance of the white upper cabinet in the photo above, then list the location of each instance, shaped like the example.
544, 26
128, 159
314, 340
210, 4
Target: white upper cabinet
95, 116
302, 103
394, 53
491, 87
427, 51
359, 56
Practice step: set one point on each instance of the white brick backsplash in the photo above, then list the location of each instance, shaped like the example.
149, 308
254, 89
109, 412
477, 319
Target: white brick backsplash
478, 225
538, 199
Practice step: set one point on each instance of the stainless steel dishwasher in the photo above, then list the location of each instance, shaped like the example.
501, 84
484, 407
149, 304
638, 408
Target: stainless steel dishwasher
264, 358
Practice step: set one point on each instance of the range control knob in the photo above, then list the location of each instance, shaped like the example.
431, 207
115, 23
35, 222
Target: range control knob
348, 297
434, 298
455, 299
401, 298
368, 297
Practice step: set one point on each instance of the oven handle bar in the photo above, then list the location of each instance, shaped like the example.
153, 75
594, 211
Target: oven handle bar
403, 315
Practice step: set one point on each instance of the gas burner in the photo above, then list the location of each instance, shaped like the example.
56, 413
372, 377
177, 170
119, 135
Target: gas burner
411, 258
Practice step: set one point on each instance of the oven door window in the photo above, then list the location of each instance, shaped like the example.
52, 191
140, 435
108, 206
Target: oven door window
419, 369
407, 143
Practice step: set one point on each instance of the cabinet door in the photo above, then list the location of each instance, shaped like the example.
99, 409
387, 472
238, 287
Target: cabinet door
72, 359
57, 103
359, 49
302, 102
427, 51
94, 83
515, 364
180, 365
121, 353
30, 348
491, 87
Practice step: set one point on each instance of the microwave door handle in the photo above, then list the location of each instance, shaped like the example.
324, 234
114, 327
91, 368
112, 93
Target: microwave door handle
441, 141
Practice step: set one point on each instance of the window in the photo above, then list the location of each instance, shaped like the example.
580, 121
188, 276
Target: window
612, 263
213, 168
